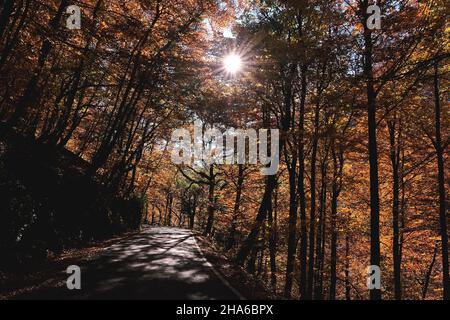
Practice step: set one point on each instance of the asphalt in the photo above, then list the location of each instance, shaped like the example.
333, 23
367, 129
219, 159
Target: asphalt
157, 264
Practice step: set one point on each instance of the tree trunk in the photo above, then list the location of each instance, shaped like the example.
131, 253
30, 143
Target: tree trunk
251, 263
273, 242
211, 201
193, 213
153, 215
261, 251
312, 218
441, 178
375, 256
7, 10
249, 242
232, 233
292, 239
336, 187
301, 187
32, 92
266, 202
170, 210
347, 267
429, 271
395, 161
321, 233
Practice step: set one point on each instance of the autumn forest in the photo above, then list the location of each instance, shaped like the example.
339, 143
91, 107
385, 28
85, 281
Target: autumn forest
88, 112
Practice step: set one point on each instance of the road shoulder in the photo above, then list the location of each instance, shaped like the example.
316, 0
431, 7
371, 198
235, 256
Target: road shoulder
249, 286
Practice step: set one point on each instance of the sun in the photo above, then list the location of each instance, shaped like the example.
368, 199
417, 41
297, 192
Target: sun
232, 63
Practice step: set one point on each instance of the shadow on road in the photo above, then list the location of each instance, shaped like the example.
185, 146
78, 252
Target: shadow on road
157, 264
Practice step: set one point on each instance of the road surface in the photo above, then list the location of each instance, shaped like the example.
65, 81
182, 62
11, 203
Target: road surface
156, 264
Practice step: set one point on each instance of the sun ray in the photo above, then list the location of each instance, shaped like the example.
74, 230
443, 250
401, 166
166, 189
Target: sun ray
232, 63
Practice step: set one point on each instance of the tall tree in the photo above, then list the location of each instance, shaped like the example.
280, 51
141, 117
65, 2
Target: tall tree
441, 180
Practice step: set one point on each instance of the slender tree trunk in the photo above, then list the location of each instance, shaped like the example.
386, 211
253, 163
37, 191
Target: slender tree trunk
12, 39
251, 263
271, 183
287, 121
312, 218
321, 232
292, 239
333, 261
441, 178
375, 256
249, 242
170, 210
8, 7
337, 175
429, 272
153, 215
273, 242
262, 250
237, 203
403, 204
193, 213
347, 267
211, 202
32, 92
395, 160
301, 187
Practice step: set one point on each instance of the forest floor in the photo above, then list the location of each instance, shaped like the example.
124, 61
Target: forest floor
156, 263
248, 285
52, 272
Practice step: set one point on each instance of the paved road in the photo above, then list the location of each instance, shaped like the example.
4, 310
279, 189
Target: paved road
157, 264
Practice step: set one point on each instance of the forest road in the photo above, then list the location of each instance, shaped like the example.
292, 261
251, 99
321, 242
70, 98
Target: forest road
159, 263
